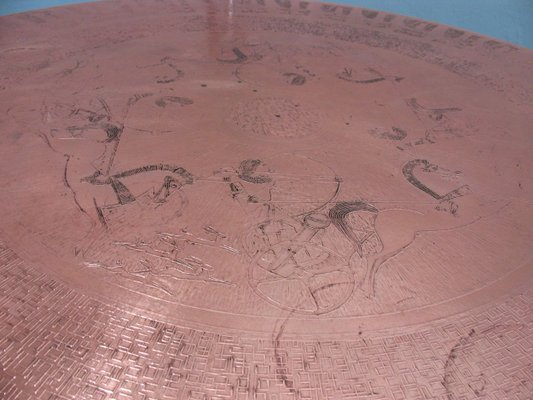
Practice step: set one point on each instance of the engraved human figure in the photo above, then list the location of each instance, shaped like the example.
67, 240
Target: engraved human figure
318, 279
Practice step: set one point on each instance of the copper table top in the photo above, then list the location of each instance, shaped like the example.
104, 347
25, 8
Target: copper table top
262, 200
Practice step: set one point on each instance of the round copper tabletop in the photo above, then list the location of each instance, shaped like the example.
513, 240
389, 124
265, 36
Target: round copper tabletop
258, 199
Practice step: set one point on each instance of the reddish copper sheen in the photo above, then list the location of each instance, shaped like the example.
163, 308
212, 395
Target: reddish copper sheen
262, 200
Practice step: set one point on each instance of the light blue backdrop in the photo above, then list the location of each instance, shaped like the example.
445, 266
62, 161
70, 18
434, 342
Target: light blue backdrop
509, 20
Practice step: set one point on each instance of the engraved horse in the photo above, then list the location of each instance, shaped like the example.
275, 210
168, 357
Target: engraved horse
396, 229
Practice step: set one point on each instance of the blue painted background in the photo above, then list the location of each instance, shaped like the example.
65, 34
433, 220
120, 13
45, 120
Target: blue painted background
509, 20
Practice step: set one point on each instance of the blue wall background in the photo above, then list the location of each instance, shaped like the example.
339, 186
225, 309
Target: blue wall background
509, 20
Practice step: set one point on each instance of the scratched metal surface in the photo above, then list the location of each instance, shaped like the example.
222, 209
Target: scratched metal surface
262, 200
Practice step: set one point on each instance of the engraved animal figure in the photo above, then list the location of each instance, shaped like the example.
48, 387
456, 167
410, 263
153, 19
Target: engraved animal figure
96, 123
159, 262
266, 187
396, 229
171, 183
436, 122
347, 74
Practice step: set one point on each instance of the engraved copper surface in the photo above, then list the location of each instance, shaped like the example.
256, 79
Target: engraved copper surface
262, 200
